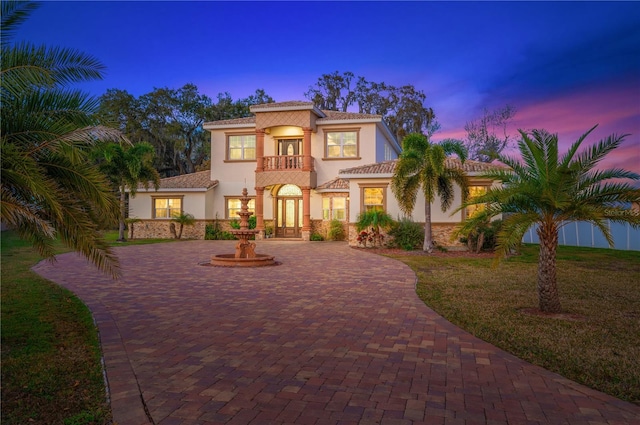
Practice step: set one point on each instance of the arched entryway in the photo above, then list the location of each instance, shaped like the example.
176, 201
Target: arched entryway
288, 217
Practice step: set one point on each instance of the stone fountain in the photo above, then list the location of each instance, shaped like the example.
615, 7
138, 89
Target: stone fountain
245, 255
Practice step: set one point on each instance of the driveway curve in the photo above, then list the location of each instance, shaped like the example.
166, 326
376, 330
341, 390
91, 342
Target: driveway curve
332, 335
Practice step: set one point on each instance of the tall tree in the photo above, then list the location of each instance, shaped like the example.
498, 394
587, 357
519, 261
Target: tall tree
128, 166
49, 187
174, 120
422, 165
403, 108
332, 92
120, 109
551, 191
487, 136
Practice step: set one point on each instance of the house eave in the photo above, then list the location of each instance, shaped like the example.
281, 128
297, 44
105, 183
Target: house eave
176, 189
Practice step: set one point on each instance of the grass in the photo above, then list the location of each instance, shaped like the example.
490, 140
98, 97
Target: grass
51, 359
597, 341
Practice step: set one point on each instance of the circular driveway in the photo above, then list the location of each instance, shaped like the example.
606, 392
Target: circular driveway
332, 335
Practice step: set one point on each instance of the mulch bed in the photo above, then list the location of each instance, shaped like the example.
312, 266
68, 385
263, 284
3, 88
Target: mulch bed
436, 253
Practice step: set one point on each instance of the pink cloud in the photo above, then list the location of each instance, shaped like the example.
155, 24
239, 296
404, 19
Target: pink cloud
615, 108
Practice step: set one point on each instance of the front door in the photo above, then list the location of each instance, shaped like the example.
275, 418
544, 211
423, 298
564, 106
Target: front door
289, 217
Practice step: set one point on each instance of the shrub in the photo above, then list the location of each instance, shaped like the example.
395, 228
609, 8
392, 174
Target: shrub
369, 225
235, 223
483, 236
316, 237
336, 231
215, 233
407, 234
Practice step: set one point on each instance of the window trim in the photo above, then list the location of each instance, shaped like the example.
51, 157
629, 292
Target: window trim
153, 205
226, 206
341, 130
226, 149
380, 185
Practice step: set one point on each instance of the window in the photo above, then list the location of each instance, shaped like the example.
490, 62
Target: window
373, 198
342, 144
339, 208
388, 152
234, 206
473, 192
334, 208
241, 147
167, 207
326, 208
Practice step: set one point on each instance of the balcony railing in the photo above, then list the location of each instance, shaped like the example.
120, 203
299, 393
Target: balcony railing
282, 162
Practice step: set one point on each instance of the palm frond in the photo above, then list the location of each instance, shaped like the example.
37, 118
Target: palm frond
13, 14
568, 157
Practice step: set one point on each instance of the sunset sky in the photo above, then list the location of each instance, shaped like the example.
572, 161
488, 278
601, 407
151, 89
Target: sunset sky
565, 66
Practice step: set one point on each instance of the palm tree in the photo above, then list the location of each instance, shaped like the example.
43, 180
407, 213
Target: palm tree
550, 191
128, 166
49, 189
183, 219
422, 164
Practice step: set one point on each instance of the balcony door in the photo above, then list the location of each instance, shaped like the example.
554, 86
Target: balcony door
290, 147
289, 212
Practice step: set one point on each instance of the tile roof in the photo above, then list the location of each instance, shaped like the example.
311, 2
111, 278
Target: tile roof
388, 167
199, 180
337, 115
245, 120
334, 184
286, 104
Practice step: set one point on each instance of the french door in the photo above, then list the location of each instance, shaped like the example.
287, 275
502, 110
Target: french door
288, 217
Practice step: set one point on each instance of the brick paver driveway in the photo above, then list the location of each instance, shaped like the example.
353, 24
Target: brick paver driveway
331, 336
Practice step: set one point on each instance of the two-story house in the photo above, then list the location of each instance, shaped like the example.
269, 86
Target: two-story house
302, 166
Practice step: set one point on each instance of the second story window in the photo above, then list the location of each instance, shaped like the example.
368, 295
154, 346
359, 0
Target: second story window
342, 144
241, 147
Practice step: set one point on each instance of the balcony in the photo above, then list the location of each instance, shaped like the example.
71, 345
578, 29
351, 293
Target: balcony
282, 162
283, 169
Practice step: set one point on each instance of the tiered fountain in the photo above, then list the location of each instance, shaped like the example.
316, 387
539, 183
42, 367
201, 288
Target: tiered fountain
245, 255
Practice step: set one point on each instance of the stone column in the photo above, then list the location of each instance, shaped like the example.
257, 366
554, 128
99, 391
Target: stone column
307, 160
306, 213
259, 150
260, 212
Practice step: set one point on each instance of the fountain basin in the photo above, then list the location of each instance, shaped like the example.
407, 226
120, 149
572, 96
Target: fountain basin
230, 260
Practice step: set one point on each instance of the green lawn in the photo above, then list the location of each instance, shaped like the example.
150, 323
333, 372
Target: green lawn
597, 341
51, 372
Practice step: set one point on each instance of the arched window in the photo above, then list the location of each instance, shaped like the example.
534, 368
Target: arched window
289, 190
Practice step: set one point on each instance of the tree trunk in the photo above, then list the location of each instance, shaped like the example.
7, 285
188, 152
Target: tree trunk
479, 242
428, 238
121, 237
180, 231
548, 297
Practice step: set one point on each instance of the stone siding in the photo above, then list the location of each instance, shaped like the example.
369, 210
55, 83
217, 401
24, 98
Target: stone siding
152, 229
322, 227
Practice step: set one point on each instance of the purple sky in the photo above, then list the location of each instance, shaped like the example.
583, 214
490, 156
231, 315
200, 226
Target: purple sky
565, 66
